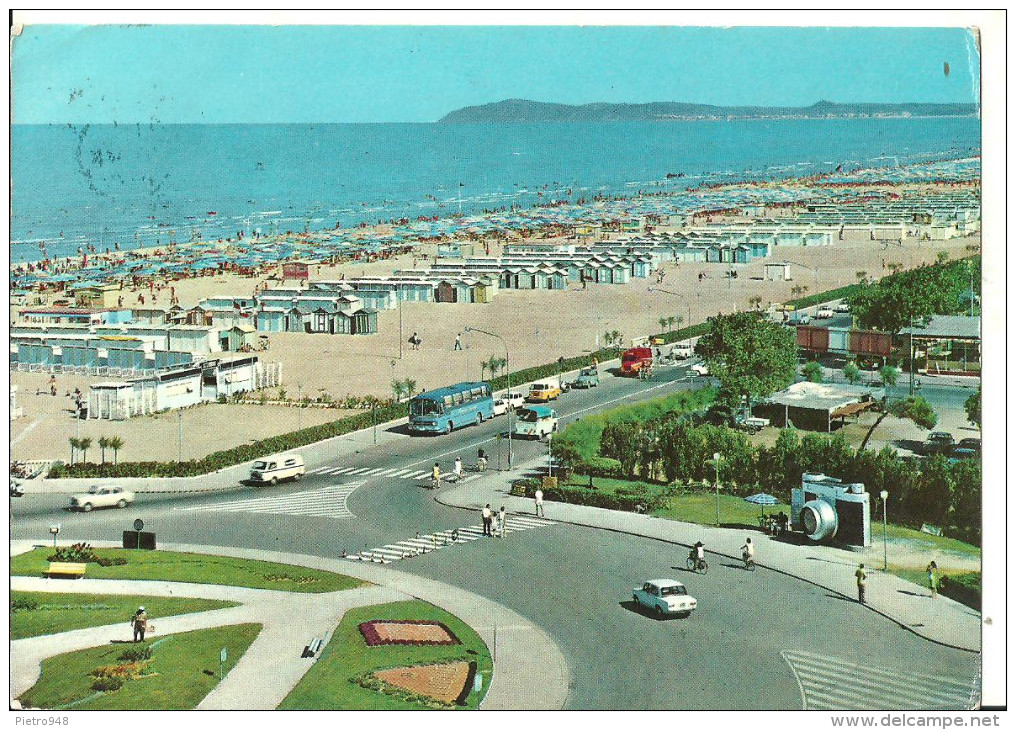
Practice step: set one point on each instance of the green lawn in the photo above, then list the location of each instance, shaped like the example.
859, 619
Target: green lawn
186, 667
700, 508
327, 685
59, 612
195, 568
923, 539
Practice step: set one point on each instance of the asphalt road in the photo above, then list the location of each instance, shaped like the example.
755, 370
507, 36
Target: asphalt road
742, 649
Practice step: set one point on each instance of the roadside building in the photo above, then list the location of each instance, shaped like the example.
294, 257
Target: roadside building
816, 406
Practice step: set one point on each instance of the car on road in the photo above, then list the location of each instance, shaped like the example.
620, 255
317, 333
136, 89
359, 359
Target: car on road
587, 378
700, 369
682, 351
824, 312
938, 442
273, 469
101, 496
501, 406
842, 308
543, 392
535, 422
664, 596
968, 448
515, 400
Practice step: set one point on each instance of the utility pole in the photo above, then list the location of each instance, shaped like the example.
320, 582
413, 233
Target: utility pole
179, 436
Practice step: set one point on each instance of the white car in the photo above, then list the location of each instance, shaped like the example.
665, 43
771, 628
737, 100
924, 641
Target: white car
514, 400
700, 369
664, 596
99, 496
824, 312
843, 308
500, 406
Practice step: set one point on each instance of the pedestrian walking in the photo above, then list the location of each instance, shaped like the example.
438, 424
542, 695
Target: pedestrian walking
502, 518
414, 341
52, 385
458, 341
458, 468
140, 623
435, 476
487, 515
932, 579
538, 498
861, 577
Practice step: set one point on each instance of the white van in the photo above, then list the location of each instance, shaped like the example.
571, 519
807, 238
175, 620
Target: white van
682, 351
276, 467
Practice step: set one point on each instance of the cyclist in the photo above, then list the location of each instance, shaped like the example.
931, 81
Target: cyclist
698, 554
748, 551
435, 478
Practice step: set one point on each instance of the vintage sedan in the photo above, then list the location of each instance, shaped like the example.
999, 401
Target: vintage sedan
664, 596
102, 496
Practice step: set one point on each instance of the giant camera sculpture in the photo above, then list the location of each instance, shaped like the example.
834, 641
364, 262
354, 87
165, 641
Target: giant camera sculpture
827, 510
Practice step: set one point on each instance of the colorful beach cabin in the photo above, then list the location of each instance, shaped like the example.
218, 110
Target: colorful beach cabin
588, 232
97, 297
237, 337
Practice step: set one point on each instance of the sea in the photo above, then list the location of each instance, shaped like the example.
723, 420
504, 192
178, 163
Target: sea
144, 185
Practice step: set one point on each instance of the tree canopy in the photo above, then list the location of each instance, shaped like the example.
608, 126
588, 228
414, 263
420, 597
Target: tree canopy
973, 408
891, 303
750, 356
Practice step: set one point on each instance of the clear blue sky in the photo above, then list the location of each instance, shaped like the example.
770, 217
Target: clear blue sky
176, 74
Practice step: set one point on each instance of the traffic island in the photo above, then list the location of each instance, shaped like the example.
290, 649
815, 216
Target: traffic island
397, 656
174, 672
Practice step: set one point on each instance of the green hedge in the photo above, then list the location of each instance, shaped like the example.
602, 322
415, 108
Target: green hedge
965, 588
236, 455
822, 297
626, 502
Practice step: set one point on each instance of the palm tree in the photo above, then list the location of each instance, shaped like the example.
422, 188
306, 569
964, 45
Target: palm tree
75, 444
496, 364
103, 444
410, 385
755, 302
398, 389
84, 444
675, 321
115, 443
664, 321
862, 277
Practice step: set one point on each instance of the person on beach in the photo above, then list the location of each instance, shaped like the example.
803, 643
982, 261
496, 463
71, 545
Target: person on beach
458, 341
52, 385
139, 621
932, 579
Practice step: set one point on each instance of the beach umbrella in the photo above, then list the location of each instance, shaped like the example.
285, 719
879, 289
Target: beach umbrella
762, 500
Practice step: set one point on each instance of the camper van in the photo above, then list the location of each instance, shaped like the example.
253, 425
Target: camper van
273, 469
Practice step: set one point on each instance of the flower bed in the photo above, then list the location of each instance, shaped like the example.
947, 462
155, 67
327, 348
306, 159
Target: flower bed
407, 632
443, 684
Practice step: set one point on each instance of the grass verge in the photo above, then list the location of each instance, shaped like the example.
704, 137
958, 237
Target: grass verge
328, 685
195, 568
55, 613
185, 668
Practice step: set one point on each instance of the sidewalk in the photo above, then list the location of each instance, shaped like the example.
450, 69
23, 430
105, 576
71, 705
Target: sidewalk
530, 671
942, 620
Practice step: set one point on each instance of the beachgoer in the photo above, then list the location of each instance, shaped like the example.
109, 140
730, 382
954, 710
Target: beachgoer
52, 385
140, 623
458, 341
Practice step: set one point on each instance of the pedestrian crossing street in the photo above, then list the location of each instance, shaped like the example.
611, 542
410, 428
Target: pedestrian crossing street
327, 501
411, 473
830, 684
421, 545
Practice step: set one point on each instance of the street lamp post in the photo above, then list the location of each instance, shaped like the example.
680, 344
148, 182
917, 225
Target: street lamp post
508, 373
674, 294
885, 544
299, 406
179, 436
716, 463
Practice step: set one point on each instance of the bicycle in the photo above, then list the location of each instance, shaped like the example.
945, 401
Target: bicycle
697, 565
749, 561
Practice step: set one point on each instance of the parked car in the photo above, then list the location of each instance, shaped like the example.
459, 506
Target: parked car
751, 424
16, 489
273, 469
500, 406
938, 442
842, 308
801, 318
682, 351
535, 422
515, 400
102, 496
588, 378
543, 392
700, 369
824, 312
971, 444
665, 596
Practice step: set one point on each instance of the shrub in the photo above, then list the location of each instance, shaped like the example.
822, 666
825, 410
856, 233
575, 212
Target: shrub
965, 588
138, 654
107, 684
632, 501
601, 466
22, 603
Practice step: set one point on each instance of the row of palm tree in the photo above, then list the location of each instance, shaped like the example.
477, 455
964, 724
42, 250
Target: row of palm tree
114, 443
495, 365
668, 323
613, 338
404, 388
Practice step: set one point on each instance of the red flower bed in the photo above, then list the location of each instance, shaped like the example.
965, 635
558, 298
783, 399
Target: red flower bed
407, 632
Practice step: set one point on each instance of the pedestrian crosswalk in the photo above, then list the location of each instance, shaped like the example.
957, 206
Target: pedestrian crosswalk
831, 684
321, 502
423, 544
394, 473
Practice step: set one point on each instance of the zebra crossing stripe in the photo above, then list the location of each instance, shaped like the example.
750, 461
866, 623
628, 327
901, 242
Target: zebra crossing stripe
361, 470
830, 684
327, 501
388, 472
373, 471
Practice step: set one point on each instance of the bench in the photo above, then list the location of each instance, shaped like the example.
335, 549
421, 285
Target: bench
69, 570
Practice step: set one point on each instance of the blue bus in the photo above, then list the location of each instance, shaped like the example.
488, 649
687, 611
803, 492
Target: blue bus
445, 409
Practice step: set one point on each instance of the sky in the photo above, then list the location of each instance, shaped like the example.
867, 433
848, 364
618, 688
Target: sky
265, 74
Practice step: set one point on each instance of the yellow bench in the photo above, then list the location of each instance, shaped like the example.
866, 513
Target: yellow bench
71, 570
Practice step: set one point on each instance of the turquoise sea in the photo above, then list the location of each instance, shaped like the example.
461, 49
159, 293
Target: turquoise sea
139, 185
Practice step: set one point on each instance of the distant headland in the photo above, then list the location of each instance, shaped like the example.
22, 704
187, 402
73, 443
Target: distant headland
523, 110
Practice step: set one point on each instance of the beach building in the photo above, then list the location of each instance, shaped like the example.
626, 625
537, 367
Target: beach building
777, 272
946, 345
587, 232
238, 337
57, 315
816, 406
632, 225
96, 296
15, 410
